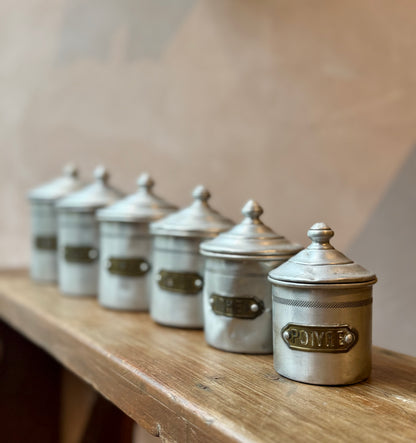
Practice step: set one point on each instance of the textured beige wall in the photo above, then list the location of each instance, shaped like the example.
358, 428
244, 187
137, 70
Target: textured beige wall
308, 107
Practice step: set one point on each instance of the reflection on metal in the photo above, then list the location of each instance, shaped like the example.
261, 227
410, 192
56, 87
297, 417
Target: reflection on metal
331, 339
128, 267
81, 254
237, 307
189, 283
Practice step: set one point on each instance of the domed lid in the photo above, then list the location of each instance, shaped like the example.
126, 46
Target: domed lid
320, 263
251, 239
142, 206
59, 187
93, 196
197, 220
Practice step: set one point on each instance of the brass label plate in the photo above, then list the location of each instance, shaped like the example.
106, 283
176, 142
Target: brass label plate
247, 308
128, 267
45, 243
81, 254
330, 339
189, 283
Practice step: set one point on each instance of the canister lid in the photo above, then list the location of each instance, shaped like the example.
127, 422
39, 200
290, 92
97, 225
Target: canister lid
142, 206
197, 220
93, 196
321, 263
59, 187
251, 239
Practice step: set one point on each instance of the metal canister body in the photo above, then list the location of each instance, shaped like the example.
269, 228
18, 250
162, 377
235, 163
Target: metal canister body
178, 267
78, 238
177, 282
238, 306
126, 247
237, 294
322, 335
43, 264
125, 257
125, 262
44, 257
322, 315
78, 243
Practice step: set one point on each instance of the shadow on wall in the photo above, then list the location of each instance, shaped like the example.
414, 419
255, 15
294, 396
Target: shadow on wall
149, 26
386, 246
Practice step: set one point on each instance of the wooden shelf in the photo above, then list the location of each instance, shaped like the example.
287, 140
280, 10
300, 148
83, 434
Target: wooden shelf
175, 386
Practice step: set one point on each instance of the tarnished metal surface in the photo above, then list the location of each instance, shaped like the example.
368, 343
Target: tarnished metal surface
44, 259
321, 263
144, 206
197, 220
59, 187
78, 239
125, 242
250, 239
322, 314
177, 282
97, 194
237, 295
171, 308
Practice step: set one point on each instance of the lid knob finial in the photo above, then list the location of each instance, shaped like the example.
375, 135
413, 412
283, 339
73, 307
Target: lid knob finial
320, 233
252, 210
70, 170
145, 181
101, 173
201, 193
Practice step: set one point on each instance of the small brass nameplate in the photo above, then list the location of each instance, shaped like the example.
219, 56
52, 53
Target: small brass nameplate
128, 267
46, 243
335, 339
81, 254
189, 283
237, 307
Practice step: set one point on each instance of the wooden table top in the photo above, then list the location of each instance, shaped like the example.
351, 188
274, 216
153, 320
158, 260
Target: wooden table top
177, 387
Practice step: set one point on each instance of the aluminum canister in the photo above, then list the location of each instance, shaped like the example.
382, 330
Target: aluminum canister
177, 276
44, 260
322, 314
125, 247
237, 295
78, 235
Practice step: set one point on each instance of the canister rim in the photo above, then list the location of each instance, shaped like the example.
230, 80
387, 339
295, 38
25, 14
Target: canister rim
125, 218
200, 234
323, 284
261, 256
78, 209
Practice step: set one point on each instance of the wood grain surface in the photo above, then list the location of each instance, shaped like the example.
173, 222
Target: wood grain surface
177, 387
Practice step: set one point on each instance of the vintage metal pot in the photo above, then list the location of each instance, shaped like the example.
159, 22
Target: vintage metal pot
44, 260
237, 295
125, 247
322, 311
78, 235
177, 277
